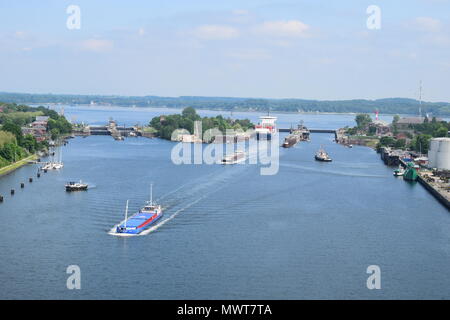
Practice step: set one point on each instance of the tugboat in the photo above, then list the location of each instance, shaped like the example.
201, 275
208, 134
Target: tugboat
234, 158
399, 172
141, 220
76, 186
322, 155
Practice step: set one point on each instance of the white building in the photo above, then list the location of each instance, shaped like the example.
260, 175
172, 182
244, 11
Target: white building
439, 153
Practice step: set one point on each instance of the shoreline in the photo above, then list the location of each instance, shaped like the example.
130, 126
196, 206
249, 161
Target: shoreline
16, 165
206, 109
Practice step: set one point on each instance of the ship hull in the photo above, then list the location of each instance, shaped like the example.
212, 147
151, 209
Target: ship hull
144, 225
322, 159
70, 189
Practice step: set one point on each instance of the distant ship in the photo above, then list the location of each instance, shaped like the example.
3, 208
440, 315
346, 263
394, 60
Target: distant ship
266, 128
399, 172
141, 220
76, 186
322, 155
234, 158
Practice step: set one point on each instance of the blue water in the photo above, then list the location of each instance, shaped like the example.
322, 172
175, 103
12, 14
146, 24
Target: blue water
228, 232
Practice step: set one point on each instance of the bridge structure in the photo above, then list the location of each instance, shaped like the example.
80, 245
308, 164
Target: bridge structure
332, 131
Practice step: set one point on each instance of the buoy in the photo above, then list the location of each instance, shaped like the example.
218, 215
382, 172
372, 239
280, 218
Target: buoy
31, 179
38, 175
22, 185
12, 191
1, 198
45, 170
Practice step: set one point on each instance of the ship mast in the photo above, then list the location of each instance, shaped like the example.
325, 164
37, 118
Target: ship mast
151, 194
126, 215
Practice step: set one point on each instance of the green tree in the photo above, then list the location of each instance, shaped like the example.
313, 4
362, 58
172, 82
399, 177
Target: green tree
400, 143
30, 143
387, 141
54, 133
363, 120
190, 113
421, 143
441, 132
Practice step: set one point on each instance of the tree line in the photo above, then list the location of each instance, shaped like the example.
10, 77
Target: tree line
386, 106
14, 145
166, 125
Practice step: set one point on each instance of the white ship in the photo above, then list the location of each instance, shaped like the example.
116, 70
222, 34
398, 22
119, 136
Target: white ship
266, 128
236, 157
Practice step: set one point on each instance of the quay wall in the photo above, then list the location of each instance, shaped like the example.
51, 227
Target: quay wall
434, 192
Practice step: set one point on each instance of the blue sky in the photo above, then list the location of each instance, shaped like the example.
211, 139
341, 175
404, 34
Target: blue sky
312, 49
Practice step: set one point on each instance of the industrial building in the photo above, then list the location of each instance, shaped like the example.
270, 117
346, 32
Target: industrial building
439, 153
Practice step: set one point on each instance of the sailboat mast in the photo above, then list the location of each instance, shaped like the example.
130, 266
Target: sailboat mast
126, 215
151, 194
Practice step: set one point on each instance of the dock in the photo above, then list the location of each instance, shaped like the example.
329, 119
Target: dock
438, 188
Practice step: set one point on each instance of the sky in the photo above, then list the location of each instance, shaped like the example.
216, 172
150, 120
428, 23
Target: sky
316, 49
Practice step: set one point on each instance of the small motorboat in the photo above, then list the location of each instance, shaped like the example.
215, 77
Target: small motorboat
76, 186
399, 171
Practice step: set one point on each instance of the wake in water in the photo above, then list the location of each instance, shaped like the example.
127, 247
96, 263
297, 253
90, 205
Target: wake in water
181, 198
338, 173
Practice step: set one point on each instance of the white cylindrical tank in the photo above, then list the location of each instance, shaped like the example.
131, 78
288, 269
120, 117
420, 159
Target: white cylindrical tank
439, 153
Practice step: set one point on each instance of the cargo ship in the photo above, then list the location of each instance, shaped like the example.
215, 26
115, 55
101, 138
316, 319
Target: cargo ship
266, 128
296, 135
236, 157
290, 141
141, 220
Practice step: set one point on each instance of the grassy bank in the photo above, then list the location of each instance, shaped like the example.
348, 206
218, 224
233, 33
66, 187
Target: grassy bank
17, 164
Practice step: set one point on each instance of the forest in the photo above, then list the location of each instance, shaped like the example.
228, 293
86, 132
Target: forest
384, 106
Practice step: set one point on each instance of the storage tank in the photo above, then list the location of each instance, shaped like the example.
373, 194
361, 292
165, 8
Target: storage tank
439, 153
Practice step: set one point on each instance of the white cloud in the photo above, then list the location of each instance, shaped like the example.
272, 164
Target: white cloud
440, 40
240, 12
216, 32
20, 35
97, 45
290, 28
428, 24
249, 55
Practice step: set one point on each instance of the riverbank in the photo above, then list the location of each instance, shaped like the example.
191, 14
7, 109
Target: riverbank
435, 186
16, 165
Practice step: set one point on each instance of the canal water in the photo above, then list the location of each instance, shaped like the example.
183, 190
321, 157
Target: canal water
308, 232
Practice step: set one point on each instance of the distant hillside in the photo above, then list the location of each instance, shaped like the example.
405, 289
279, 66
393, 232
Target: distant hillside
387, 106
